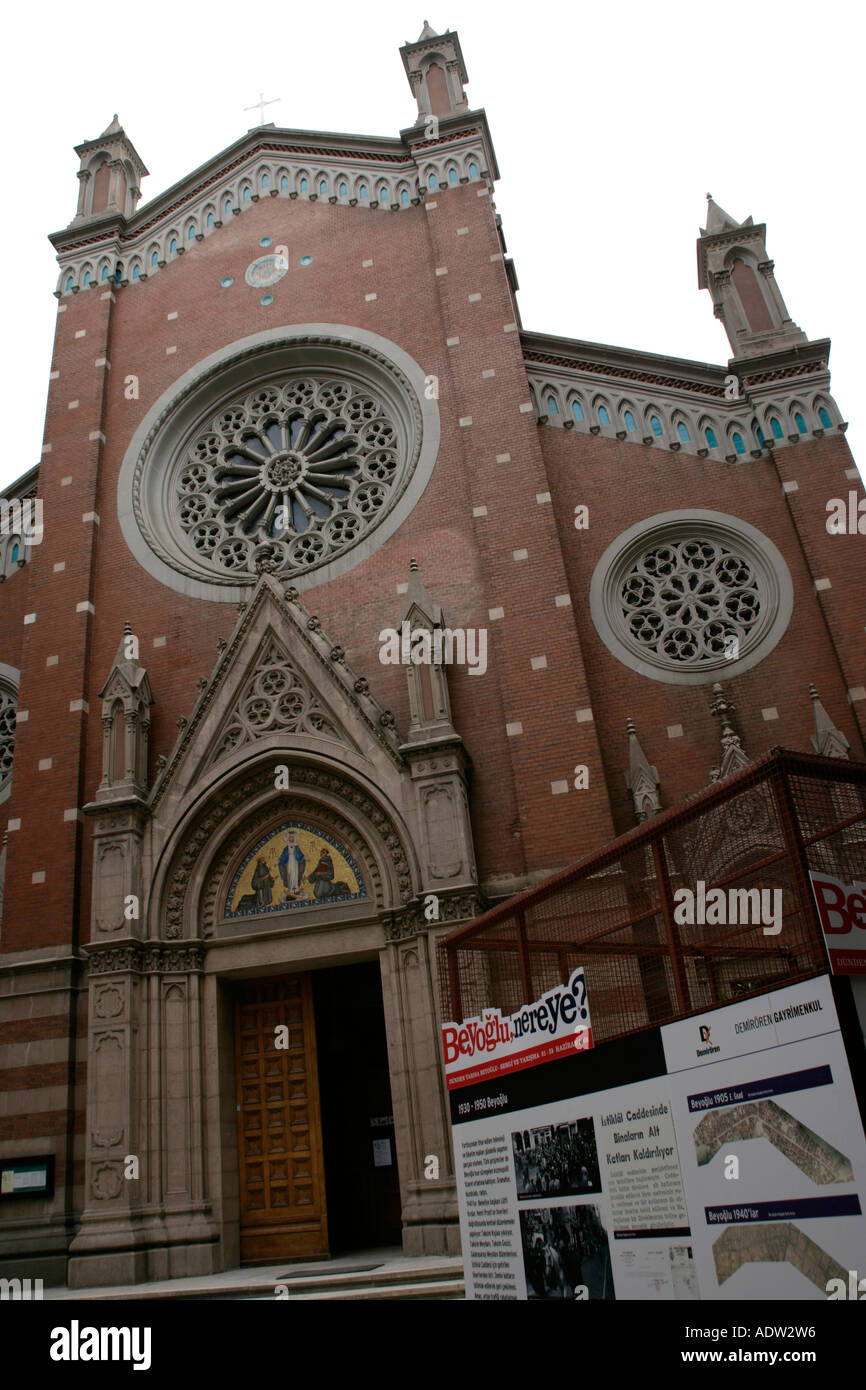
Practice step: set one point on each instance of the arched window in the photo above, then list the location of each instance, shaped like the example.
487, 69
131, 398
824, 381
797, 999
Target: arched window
629, 420
362, 192
172, 246
303, 185
209, 220
603, 417
404, 196
800, 423
284, 183
118, 274
710, 436
103, 274
432, 182
683, 432
190, 232
266, 180
227, 207
825, 419
246, 193
154, 258
323, 188
577, 410
776, 428
383, 194
751, 298
452, 175
738, 444
760, 433
69, 283
552, 407
86, 281
136, 272
473, 171
15, 553
656, 425
343, 190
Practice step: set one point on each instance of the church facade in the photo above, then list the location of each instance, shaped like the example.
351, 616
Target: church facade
356, 607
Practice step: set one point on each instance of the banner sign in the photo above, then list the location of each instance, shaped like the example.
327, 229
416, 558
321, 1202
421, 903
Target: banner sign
842, 914
494, 1045
719, 1157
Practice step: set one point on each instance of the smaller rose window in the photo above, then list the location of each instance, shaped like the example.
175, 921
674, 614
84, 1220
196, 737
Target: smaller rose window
7, 736
266, 271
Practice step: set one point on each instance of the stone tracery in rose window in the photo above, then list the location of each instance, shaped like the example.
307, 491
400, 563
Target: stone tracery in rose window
8, 703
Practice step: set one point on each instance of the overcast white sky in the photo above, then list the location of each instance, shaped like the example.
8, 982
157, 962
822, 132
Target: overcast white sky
610, 124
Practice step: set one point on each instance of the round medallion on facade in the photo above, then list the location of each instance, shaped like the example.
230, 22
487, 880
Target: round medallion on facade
9, 678
265, 271
288, 458
684, 596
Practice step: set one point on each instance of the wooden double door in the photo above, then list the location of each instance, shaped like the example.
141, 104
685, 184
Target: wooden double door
317, 1172
281, 1163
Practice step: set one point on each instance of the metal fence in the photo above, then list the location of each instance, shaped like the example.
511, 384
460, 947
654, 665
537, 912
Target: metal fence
616, 913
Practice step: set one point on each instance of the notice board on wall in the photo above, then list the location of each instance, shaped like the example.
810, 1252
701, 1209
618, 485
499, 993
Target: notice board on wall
719, 1157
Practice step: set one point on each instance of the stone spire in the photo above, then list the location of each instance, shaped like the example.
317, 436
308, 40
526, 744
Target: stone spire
437, 73
734, 756
110, 175
827, 740
642, 779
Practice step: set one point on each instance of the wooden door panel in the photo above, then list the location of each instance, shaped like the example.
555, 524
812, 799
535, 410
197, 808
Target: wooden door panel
281, 1168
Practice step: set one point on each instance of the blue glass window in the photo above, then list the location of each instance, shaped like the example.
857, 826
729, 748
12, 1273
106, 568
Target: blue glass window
103, 274
209, 220
190, 232
711, 438
552, 407
172, 246
343, 190
136, 273
227, 206
246, 194
154, 258
473, 171
629, 420
800, 423
303, 185
760, 433
738, 444
362, 192
577, 410
323, 187
306, 260
267, 299
656, 425
284, 183
86, 281
452, 175
432, 182
776, 428
118, 274
226, 281
603, 417
683, 432
383, 194
825, 419
68, 285
264, 241
15, 553
404, 197
266, 180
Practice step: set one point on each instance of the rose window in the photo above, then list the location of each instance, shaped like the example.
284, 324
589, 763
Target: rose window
682, 596
293, 472
7, 736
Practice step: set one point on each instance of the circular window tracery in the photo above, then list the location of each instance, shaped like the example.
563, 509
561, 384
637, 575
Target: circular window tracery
8, 707
284, 453
680, 596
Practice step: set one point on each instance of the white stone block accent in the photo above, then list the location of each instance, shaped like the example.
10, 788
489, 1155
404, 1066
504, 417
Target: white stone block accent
21, 716
14, 824
108, 295
81, 332
85, 607
509, 328
38, 876
52, 376
368, 298
583, 716
559, 788
525, 408
542, 497
538, 663
483, 193
497, 256
51, 660
46, 448
451, 342
29, 618
402, 588
79, 707
562, 600
431, 206
61, 308
365, 265
852, 475
44, 764
102, 362
479, 511
857, 692
464, 421
90, 516
513, 729
159, 641
72, 405
462, 231
172, 315
170, 351
520, 554
488, 373
61, 565
96, 434
675, 730
441, 270
791, 486
821, 585
494, 613
503, 458
73, 814
770, 713
475, 299
64, 482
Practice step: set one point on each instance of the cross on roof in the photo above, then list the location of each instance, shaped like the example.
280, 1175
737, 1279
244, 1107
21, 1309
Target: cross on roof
260, 105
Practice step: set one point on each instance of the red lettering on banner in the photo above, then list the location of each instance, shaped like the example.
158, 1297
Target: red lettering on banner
830, 899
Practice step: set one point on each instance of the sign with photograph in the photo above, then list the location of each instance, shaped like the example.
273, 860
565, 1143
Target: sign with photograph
719, 1157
